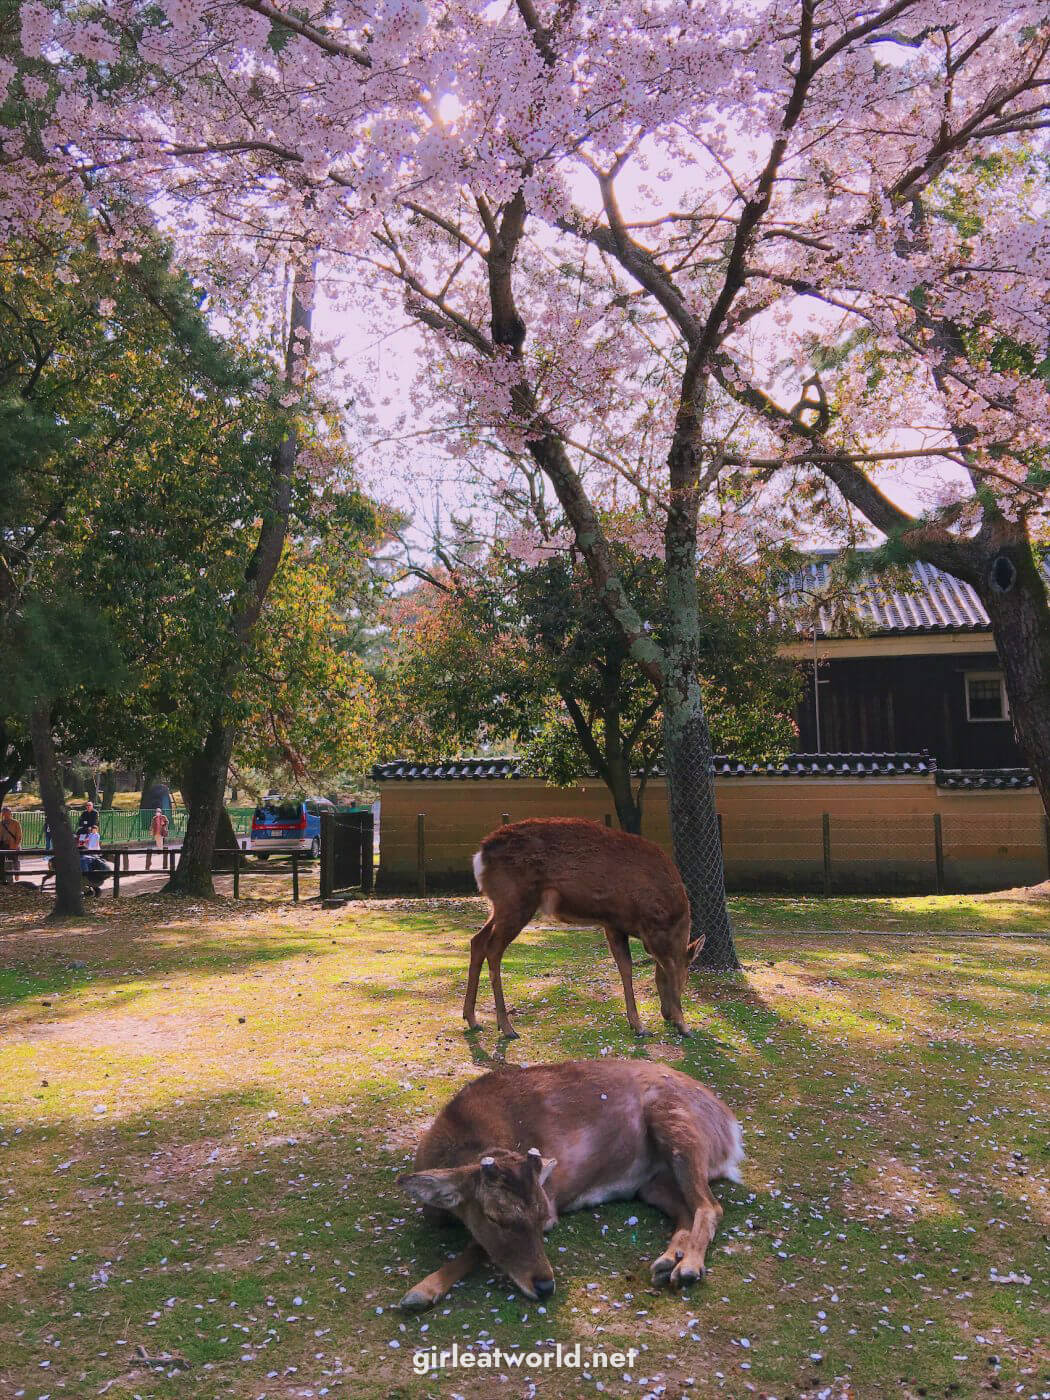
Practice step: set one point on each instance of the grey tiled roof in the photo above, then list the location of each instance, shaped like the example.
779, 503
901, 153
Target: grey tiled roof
403, 769
984, 778
937, 603
829, 765
795, 765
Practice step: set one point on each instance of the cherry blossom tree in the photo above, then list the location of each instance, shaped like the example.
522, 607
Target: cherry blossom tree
750, 243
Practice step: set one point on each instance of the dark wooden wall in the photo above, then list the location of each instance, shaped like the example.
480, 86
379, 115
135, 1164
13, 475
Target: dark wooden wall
900, 704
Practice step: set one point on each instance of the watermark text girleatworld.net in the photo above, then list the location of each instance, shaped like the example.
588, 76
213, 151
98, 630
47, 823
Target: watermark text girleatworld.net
556, 1358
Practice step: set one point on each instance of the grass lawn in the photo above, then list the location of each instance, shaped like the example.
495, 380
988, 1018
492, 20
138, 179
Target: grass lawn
203, 1108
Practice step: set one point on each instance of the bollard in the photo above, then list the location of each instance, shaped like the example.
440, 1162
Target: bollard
237, 871
826, 825
295, 877
421, 855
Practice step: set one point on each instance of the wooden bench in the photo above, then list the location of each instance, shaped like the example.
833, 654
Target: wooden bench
99, 877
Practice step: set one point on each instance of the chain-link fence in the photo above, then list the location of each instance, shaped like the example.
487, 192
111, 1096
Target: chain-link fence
127, 827
696, 838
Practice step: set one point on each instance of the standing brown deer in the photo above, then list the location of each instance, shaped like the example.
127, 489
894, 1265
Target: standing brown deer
515, 1148
577, 871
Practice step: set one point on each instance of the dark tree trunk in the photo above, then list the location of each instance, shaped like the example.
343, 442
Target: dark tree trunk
203, 790
613, 765
109, 789
69, 887
694, 821
204, 781
628, 808
225, 841
1015, 598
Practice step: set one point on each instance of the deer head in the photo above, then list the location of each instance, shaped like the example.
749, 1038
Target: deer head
501, 1201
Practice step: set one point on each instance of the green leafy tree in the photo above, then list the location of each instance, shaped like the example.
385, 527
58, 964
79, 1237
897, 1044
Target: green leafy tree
140, 452
308, 700
529, 656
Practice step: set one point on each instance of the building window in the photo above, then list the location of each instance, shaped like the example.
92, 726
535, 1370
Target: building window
986, 696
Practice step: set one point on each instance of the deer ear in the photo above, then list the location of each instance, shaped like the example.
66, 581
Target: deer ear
445, 1187
543, 1166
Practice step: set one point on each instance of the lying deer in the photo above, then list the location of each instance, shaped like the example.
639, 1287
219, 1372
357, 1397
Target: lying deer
515, 1148
577, 871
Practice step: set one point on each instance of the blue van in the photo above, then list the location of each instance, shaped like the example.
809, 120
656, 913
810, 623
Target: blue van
288, 824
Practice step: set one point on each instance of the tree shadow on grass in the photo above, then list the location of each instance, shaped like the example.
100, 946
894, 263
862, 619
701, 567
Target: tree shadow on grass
204, 957
174, 1234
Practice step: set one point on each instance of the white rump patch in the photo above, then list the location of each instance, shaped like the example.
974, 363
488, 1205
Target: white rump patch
479, 866
731, 1166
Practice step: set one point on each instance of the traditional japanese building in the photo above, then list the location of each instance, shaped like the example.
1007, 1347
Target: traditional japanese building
910, 668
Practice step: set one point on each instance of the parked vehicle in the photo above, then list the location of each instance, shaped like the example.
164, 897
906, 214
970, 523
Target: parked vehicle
288, 824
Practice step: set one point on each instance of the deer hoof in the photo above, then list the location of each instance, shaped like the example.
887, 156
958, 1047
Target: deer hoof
660, 1270
683, 1277
509, 1034
416, 1300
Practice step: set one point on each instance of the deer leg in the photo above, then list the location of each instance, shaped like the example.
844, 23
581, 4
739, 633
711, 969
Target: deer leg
621, 951
663, 1193
477, 957
427, 1292
503, 934
685, 1153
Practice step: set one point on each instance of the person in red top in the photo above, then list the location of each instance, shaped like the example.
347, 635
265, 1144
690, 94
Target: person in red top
159, 829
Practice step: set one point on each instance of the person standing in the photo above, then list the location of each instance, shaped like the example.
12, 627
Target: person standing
88, 818
10, 840
159, 830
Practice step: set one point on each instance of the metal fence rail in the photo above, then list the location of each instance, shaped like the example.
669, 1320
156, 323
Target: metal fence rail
120, 826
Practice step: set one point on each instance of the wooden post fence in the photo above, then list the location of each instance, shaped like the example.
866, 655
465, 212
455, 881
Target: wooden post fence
938, 850
421, 854
826, 828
